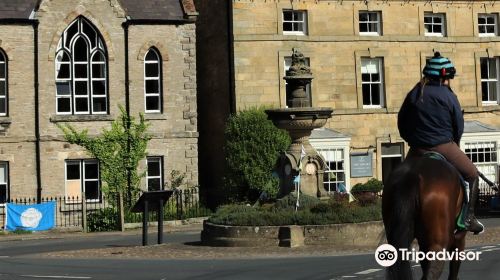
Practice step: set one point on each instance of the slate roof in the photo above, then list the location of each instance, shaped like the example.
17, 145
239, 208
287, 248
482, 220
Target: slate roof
135, 9
16, 9
477, 127
325, 133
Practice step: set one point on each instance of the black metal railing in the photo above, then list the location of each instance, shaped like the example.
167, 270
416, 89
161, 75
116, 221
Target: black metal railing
102, 214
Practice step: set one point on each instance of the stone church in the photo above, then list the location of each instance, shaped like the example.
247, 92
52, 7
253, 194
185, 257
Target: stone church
74, 62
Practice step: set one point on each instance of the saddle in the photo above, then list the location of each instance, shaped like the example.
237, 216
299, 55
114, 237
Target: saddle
460, 221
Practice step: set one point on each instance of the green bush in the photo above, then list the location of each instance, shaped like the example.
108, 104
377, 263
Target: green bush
320, 214
373, 185
252, 147
289, 201
105, 219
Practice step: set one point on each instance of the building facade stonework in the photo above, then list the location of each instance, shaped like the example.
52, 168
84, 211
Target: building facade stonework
366, 56
142, 57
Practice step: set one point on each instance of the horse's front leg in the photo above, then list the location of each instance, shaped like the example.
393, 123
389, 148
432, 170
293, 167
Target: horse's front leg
455, 264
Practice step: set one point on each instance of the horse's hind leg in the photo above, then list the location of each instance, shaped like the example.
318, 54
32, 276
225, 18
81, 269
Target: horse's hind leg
455, 264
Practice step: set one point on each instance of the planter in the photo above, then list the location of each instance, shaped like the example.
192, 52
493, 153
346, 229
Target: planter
367, 234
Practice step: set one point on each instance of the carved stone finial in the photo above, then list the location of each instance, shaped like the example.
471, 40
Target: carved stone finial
299, 66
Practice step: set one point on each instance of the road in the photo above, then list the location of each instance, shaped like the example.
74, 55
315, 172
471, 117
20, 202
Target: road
18, 262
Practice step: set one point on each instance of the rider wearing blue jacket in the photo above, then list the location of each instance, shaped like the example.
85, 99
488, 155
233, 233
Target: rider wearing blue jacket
431, 119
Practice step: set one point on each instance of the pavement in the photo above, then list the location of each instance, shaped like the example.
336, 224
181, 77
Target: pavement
182, 242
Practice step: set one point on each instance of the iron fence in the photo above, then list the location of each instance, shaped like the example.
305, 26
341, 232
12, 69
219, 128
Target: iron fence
183, 204
488, 199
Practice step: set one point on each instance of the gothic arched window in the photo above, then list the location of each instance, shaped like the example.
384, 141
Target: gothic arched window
81, 70
152, 82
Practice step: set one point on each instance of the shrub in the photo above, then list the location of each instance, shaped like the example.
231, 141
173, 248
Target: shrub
373, 185
252, 147
105, 219
289, 201
320, 214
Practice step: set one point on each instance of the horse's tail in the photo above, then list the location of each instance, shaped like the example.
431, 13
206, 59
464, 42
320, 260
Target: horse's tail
401, 211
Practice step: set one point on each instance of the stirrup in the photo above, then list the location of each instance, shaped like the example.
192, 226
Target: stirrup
470, 221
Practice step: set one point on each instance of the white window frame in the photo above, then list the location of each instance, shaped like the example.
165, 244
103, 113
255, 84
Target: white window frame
158, 94
377, 21
481, 146
335, 155
295, 14
488, 80
335, 144
433, 16
5, 164
94, 45
82, 179
486, 24
159, 160
368, 69
4, 65
287, 62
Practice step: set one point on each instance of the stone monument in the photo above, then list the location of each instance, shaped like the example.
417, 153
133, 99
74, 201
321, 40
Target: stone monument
299, 120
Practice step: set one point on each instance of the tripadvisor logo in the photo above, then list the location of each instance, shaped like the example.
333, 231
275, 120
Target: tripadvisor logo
386, 255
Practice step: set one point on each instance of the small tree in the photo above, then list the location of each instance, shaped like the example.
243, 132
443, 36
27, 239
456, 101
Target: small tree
119, 151
252, 147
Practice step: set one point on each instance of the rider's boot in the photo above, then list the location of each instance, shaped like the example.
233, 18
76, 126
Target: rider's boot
471, 223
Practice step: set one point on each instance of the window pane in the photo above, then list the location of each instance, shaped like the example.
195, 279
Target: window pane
437, 29
481, 20
72, 171
3, 173
373, 27
63, 71
98, 70
81, 88
154, 184
80, 51
437, 20
3, 106
366, 94
98, 57
152, 103
482, 29
287, 15
363, 27
484, 68
2, 70
90, 32
3, 193
376, 77
82, 105
70, 33
490, 29
92, 190
287, 26
375, 94
427, 19
365, 77
3, 89
154, 167
152, 56
493, 91
363, 16
91, 170
99, 104
80, 70
490, 20
63, 105
493, 69
152, 86
99, 87
2, 57
152, 70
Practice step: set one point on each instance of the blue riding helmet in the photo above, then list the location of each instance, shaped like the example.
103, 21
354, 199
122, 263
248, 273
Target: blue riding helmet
439, 67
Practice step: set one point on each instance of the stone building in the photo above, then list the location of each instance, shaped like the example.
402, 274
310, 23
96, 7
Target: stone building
74, 62
365, 56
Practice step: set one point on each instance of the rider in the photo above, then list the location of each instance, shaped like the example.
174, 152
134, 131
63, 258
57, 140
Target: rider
431, 119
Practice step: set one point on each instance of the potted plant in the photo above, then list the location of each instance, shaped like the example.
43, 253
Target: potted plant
367, 193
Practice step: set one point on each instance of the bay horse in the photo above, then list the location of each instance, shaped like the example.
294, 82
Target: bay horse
422, 200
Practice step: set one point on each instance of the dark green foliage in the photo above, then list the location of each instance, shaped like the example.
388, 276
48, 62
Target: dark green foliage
105, 219
323, 213
373, 185
289, 201
252, 147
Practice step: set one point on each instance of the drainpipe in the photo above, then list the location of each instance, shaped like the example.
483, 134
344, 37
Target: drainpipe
127, 104
37, 118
